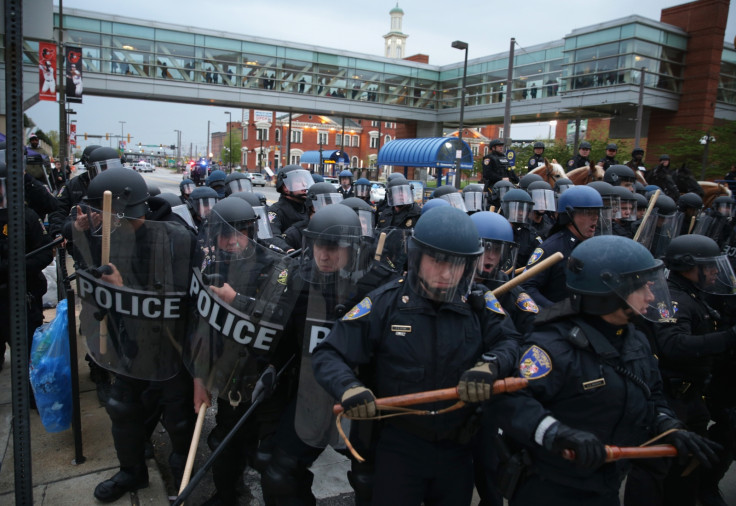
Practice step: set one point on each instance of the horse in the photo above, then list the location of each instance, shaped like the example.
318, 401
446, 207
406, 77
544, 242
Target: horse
585, 175
712, 191
550, 171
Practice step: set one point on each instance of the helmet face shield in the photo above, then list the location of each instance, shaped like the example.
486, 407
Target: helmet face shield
106, 164
334, 255
362, 190
500, 191
203, 206
366, 222
298, 180
438, 275
264, 226
496, 255
474, 201
187, 188
240, 185
645, 292
400, 195
562, 187
659, 230
544, 200
628, 210
724, 209
715, 275
325, 199
455, 200
613, 202
231, 241
517, 212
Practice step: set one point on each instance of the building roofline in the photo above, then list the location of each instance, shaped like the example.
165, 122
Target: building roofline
634, 18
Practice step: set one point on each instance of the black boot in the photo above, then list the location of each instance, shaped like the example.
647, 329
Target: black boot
177, 463
124, 481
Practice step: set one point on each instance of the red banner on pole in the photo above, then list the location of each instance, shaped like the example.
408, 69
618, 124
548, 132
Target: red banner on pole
74, 87
73, 134
47, 71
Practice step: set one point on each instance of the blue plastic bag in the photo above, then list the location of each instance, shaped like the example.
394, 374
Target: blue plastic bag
50, 371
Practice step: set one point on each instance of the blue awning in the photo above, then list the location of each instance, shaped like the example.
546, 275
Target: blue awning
427, 152
328, 156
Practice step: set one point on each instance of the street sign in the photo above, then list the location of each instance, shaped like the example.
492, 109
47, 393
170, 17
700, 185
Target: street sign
511, 157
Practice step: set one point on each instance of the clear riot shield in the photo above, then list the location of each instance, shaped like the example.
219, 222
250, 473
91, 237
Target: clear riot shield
134, 308
333, 287
658, 231
240, 307
711, 225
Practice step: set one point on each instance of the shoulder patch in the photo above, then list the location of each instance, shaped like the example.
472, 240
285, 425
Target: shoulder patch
535, 363
675, 307
536, 255
360, 310
492, 303
271, 216
526, 303
283, 276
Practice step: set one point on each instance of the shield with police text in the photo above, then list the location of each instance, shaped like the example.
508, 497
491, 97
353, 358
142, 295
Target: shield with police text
240, 306
134, 304
332, 266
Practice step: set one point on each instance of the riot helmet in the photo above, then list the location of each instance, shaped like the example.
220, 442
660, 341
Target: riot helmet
637, 152
186, 187
294, 180
452, 195
128, 188
431, 204
662, 158
474, 198
640, 188
102, 159
170, 198
84, 159
641, 204
317, 178
628, 203
399, 193
580, 206
332, 247
563, 184
689, 201
232, 225
216, 181
202, 200
525, 181
499, 190
443, 254
663, 225
723, 205
394, 175
499, 248
699, 259
153, 190
320, 195
611, 205
237, 182
542, 195
516, 206
258, 202
620, 175
362, 189
364, 212
345, 178
608, 273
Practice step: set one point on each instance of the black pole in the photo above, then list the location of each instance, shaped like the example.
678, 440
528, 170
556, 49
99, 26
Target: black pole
16, 252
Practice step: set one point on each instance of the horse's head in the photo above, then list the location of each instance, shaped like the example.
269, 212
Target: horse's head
597, 172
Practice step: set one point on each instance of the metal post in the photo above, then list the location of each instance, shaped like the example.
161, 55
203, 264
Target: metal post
18, 331
577, 135
207, 154
640, 110
122, 134
705, 156
459, 151
507, 107
63, 152
229, 141
288, 142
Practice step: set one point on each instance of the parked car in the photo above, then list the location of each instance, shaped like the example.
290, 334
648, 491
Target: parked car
333, 181
378, 191
256, 178
143, 167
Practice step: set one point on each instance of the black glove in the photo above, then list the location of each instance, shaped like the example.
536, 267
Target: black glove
476, 384
687, 443
589, 451
265, 384
358, 402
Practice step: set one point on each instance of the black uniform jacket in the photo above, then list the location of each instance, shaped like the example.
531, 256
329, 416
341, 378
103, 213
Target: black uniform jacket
548, 286
405, 343
573, 378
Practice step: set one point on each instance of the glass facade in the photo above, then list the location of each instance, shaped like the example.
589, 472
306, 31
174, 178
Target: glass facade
607, 55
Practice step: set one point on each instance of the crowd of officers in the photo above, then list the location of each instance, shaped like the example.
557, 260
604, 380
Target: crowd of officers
624, 342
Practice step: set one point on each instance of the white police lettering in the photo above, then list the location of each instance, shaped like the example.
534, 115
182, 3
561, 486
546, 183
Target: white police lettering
317, 334
127, 302
229, 322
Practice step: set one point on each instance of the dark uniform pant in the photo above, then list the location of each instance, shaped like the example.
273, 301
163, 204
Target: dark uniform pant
536, 491
411, 470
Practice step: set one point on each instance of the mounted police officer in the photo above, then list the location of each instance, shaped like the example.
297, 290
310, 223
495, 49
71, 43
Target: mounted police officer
578, 215
401, 210
662, 176
496, 166
582, 159
537, 158
593, 380
428, 315
610, 158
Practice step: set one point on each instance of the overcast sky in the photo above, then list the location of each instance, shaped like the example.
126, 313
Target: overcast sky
357, 26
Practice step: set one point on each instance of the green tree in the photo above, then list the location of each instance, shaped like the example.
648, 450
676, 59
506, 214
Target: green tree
230, 154
53, 141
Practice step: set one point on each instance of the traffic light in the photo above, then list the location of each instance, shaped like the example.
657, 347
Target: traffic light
172, 147
85, 136
107, 136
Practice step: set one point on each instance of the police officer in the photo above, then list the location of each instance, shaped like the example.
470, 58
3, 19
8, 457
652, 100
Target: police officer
381, 205
346, 184
201, 201
578, 215
35, 237
292, 183
498, 191
186, 187
428, 315
319, 195
517, 206
496, 166
593, 380
136, 404
365, 213
662, 176
401, 210
474, 198
362, 188
216, 181
627, 212
620, 175
528, 179
562, 184
537, 158
689, 205
452, 195
237, 182
611, 207
610, 158
637, 161
689, 347
582, 159
545, 206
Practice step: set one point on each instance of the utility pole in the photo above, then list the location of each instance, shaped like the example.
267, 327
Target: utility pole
507, 108
63, 153
640, 110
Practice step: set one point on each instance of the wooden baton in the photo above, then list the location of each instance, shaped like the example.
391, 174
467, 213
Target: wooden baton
105, 258
530, 272
614, 453
650, 208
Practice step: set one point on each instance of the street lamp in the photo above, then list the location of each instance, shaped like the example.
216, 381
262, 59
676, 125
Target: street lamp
230, 141
459, 152
706, 140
